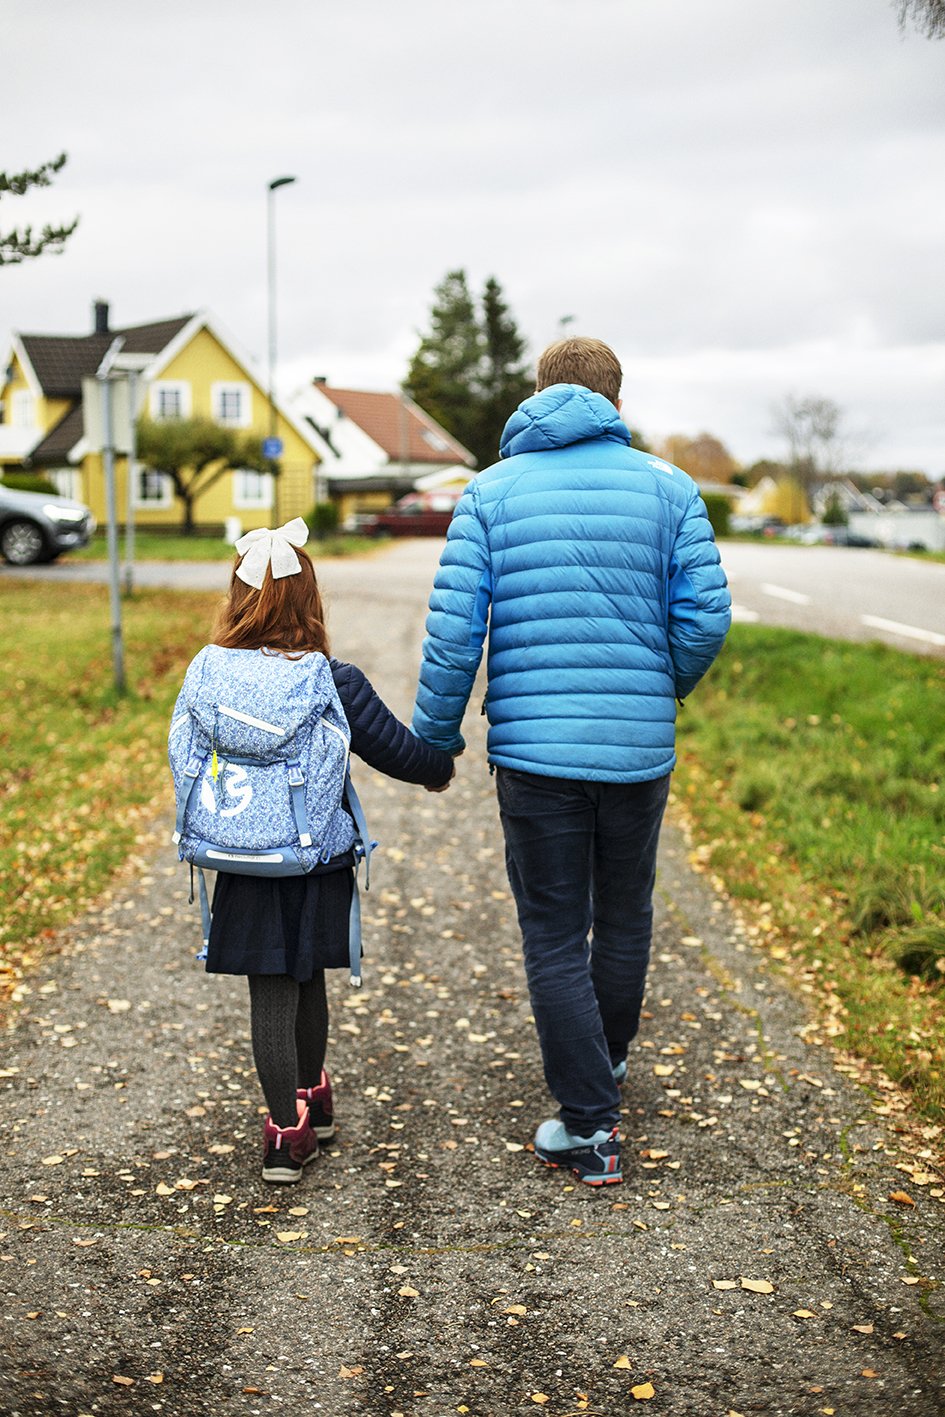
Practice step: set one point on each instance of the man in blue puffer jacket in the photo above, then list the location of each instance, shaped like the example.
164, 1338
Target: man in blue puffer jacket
608, 603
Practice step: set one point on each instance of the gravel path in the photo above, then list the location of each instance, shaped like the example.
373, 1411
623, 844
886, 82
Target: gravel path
752, 1262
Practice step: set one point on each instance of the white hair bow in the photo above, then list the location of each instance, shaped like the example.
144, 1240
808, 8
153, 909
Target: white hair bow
263, 547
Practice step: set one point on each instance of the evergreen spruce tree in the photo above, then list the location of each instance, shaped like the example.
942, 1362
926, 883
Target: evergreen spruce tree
469, 371
21, 244
443, 373
504, 379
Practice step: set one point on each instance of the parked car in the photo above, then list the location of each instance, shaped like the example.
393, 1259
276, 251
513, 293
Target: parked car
417, 514
36, 527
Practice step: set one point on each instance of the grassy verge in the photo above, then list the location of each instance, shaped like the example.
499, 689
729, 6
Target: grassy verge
81, 767
811, 770
151, 547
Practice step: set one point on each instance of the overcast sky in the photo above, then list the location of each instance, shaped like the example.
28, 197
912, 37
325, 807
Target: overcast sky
744, 199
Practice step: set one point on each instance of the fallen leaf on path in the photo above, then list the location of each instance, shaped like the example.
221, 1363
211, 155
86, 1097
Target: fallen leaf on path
643, 1392
862, 1328
901, 1197
407, 1293
623, 1362
804, 1314
757, 1286
122, 1382
287, 1236
724, 1284
355, 1372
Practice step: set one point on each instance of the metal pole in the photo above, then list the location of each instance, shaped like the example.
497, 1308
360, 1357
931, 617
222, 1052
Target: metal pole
271, 283
132, 465
108, 457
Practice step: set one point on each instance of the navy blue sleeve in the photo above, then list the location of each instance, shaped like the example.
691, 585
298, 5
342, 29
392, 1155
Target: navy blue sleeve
380, 738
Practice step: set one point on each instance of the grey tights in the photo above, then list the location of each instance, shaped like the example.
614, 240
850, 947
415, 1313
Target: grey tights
289, 1024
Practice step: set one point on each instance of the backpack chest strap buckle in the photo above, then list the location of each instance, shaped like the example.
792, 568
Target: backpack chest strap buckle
296, 780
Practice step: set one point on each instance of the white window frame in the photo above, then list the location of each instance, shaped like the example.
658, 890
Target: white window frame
245, 500
166, 498
179, 386
67, 482
218, 392
22, 409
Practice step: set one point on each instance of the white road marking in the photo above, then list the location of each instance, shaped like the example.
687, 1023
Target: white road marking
909, 632
780, 593
748, 616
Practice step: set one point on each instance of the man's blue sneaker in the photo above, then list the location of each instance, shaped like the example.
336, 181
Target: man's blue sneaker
620, 1071
594, 1160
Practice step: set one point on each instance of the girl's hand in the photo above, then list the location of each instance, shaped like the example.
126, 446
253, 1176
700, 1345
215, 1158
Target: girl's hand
446, 783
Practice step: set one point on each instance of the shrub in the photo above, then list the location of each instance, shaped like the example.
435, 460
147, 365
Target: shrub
322, 520
719, 510
30, 482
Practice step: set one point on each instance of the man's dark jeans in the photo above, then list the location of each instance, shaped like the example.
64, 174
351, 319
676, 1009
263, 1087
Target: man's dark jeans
581, 859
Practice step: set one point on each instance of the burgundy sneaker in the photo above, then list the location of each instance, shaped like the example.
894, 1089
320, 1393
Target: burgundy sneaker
321, 1111
287, 1149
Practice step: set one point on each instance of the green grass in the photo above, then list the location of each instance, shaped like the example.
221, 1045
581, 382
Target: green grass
813, 771
82, 768
149, 546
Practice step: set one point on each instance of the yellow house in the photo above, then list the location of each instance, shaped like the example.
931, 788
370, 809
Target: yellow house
185, 368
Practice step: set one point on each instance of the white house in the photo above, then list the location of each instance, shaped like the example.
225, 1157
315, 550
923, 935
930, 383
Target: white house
377, 446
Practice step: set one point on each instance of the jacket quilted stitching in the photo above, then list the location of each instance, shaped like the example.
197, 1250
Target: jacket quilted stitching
595, 567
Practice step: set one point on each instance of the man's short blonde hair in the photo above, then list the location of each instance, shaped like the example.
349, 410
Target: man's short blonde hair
588, 362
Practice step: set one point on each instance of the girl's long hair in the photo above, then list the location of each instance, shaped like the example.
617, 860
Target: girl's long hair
285, 616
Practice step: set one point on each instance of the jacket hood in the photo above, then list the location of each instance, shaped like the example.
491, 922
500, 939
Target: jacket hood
560, 415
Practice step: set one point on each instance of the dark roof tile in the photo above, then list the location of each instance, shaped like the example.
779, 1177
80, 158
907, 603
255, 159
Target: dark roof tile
400, 427
61, 362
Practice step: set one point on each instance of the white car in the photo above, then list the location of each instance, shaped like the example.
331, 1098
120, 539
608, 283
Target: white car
36, 527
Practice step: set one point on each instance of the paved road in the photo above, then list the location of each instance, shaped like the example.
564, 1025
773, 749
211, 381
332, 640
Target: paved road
427, 1265
841, 592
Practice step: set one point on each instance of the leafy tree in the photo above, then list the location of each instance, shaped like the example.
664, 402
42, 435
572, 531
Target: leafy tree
195, 453
469, 371
704, 457
926, 15
21, 244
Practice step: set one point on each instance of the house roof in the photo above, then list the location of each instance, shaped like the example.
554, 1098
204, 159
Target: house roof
61, 362
60, 440
399, 426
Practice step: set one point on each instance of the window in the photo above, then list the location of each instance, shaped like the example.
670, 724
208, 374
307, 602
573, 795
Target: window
23, 409
67, 482
232, 404
252, 489
153, 489
170, 399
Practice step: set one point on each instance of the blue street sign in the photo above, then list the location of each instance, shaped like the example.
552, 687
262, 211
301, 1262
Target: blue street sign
272, 447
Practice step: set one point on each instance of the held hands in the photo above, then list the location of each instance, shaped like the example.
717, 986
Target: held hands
446, 784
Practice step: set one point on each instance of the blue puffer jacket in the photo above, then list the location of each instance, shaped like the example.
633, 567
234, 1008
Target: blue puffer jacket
607, 598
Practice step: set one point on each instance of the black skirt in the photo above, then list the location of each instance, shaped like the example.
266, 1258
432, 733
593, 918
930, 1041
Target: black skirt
291, 925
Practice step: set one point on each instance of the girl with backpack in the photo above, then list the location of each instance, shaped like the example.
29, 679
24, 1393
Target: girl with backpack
284, 931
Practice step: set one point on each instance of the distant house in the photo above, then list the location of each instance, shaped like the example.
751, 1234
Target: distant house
377, 446
190, 368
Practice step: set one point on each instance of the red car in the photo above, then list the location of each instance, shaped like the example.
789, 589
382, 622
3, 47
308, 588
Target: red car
417, 514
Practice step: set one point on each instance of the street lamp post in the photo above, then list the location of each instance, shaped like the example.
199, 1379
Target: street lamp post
274, 185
